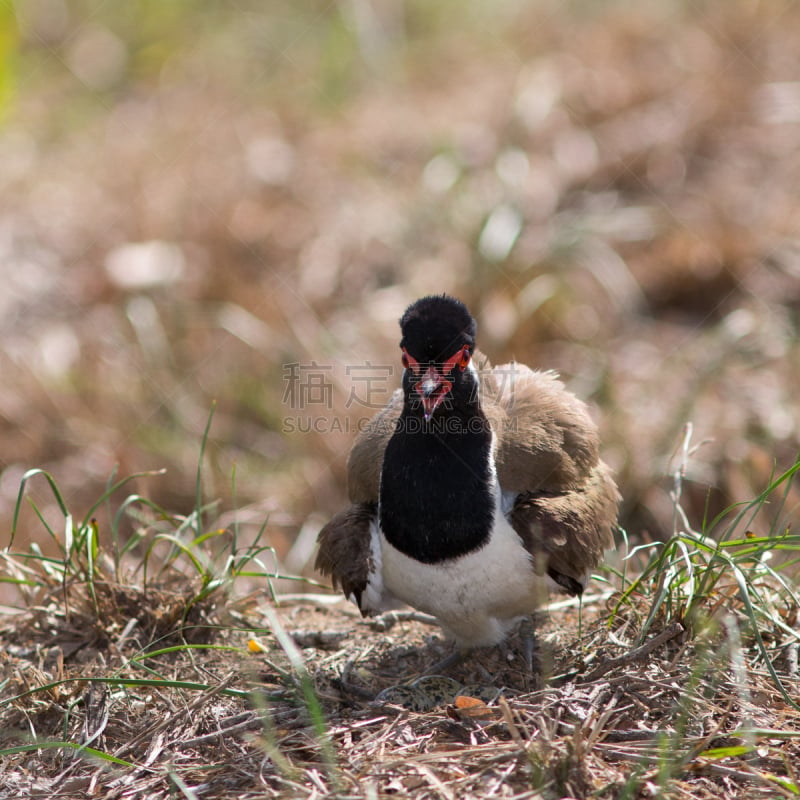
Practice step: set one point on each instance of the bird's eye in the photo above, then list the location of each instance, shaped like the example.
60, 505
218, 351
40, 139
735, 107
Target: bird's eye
465, 357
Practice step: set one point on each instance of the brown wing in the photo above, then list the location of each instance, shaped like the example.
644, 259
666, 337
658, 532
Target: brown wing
546, 440
344, 543
366, 457
567, 532
548, 452
344, 549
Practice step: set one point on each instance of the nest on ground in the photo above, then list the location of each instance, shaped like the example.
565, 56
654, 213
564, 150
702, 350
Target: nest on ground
341, 708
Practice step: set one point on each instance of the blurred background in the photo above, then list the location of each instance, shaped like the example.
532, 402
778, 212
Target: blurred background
234, 202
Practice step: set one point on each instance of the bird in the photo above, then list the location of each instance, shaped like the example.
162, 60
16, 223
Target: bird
474, 491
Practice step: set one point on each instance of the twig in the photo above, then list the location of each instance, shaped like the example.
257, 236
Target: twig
670, 632
508, 716
169, 721
792, 652
252, 722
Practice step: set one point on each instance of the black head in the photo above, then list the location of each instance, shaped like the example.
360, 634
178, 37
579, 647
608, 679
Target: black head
435, 327
438, 343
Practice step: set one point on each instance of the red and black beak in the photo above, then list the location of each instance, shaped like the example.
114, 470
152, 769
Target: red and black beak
432, 388
434, 385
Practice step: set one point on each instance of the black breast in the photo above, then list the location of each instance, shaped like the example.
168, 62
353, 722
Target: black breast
436, 499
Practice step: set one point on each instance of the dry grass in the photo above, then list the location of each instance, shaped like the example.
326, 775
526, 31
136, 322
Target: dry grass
677, 681
681, 719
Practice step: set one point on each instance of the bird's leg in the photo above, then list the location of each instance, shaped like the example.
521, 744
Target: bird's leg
388, 619
456, 657
346, 686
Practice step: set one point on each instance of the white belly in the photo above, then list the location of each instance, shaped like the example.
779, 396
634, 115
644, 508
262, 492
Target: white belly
476, 598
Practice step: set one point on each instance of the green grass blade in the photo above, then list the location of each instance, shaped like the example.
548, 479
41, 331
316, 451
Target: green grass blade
744, 593
56, 745
32, 473
117, 486
199, 476
179, 648
53, 535
734, 751
312, 702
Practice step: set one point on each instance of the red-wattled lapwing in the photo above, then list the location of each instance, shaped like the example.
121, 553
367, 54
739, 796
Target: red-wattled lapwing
473, 492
